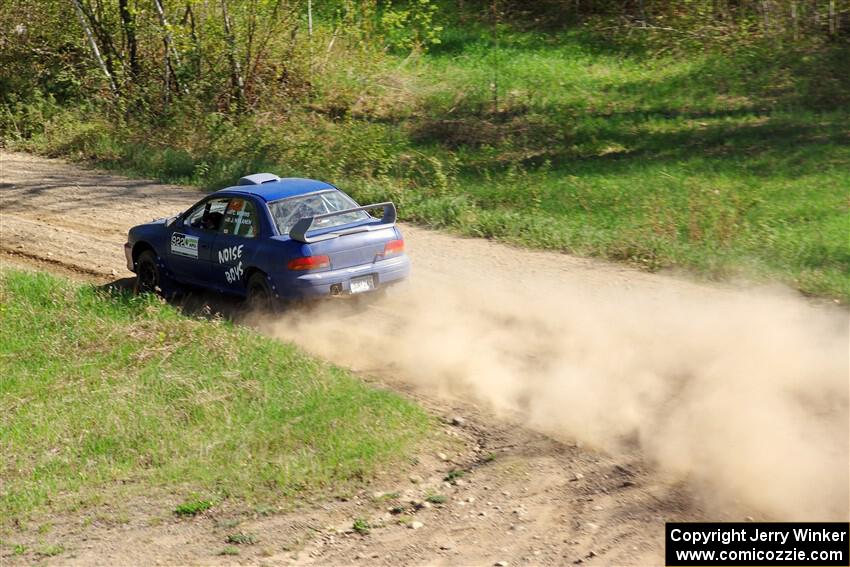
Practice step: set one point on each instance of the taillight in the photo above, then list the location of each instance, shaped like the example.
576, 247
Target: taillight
393, 247
309, 263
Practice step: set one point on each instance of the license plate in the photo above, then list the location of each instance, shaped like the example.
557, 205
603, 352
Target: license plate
359, 285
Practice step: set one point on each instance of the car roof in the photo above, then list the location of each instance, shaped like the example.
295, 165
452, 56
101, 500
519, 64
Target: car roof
274, 190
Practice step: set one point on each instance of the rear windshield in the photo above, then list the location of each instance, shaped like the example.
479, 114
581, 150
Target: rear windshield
289, 211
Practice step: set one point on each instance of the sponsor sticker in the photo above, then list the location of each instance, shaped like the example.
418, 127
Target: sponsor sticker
184, 245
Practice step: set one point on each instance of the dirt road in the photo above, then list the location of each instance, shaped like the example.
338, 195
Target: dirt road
659, 398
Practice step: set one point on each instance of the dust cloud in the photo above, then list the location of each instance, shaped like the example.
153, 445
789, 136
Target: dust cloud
741, 393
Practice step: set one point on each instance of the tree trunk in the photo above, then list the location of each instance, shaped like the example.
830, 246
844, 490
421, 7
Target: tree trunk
794, 24
169, 46
103, 66
765, 7
832, 19
96, 28
237, 84
261, 46
129, 25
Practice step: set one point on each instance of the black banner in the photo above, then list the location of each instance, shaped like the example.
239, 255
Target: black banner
762, 544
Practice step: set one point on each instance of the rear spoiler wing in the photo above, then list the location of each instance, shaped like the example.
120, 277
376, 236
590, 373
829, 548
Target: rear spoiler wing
305, 225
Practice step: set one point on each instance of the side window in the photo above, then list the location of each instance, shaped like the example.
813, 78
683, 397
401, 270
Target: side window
208, 215
240, 219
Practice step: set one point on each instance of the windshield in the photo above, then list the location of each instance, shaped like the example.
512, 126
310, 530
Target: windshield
287, 212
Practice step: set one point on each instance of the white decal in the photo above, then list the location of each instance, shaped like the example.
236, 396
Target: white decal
230, 254
184, 245
238, 218
234, 273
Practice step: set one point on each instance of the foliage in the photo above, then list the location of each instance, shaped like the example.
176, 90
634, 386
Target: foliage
241, 539
361, 526
193, 507
229, 550
436, 499
50, 550
410, 26
453, 475
688, 23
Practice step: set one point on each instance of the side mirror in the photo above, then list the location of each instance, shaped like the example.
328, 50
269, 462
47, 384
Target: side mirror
171, 221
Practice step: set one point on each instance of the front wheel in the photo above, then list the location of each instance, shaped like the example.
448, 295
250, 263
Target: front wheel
148, 275
260, 296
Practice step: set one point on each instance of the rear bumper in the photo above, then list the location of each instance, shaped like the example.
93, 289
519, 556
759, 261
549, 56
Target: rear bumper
128, 254
338, 282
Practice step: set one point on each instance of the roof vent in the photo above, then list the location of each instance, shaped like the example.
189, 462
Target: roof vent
258, 179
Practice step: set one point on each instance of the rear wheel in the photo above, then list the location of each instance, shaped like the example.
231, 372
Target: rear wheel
260, 295
148, 275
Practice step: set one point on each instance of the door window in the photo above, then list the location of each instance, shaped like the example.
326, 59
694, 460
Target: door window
208, 215
240, 219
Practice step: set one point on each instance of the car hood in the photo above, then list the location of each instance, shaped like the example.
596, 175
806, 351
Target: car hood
156, 222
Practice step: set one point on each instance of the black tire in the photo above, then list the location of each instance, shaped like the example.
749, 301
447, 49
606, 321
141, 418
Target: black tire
259, 293
148, 275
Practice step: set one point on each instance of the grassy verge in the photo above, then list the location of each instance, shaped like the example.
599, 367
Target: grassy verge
723, 164
107, 393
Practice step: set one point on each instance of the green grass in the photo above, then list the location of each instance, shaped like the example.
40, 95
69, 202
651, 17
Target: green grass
453, 475
50, 550
726, 164
755, 197
436, 499
241, 539
361, 526
104, 396
193, 507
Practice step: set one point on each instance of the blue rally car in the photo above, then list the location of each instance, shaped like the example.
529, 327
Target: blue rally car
269, 238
